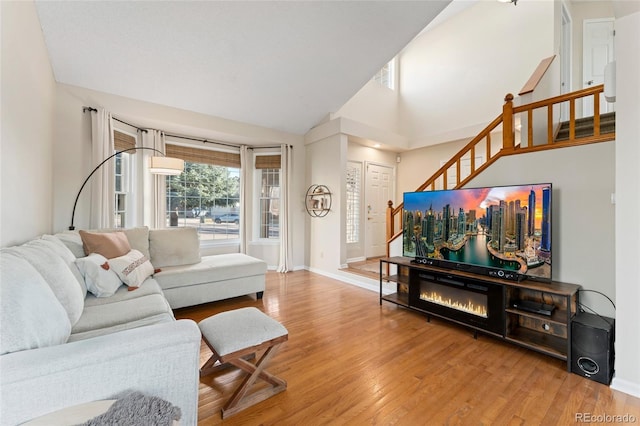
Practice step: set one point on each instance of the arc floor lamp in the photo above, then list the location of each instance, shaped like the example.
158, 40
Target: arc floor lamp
160, 165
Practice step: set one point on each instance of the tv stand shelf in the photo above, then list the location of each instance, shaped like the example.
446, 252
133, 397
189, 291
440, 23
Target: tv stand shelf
547, 334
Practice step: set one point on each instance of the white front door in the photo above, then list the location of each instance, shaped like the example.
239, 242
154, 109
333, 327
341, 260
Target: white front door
597, 52
379, 190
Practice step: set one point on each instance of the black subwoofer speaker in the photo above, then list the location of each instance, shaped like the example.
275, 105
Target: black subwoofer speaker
592, 349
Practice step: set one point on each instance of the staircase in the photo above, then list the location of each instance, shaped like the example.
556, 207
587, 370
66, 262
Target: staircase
574, 132
585, 126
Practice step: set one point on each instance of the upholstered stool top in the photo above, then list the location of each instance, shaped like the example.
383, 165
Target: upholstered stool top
231, 331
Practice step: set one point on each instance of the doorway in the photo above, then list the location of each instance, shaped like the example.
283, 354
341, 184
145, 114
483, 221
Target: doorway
597, 52
379, 189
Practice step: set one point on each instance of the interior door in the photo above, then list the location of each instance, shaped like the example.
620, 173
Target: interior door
597, 52
378, 191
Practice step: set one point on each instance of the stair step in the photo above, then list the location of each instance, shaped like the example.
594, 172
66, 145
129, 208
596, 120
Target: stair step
584, 126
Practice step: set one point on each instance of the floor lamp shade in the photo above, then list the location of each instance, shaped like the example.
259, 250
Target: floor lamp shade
166, 165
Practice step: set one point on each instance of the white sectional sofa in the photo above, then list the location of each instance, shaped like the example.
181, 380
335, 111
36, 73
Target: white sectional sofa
61, 345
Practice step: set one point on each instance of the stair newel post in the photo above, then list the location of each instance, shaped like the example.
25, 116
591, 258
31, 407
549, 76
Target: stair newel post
390, 224
508, 142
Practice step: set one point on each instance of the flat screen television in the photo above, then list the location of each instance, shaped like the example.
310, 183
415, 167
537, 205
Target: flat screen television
503, 231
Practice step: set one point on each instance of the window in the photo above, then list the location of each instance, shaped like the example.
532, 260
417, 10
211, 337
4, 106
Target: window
354, 173
206, 195
386, 76
270, 203
122, 162
124, 209
268, 185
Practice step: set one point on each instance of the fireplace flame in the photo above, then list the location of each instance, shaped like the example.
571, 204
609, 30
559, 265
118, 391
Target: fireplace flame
468, 307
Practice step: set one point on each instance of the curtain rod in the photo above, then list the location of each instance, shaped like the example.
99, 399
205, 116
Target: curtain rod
86, 108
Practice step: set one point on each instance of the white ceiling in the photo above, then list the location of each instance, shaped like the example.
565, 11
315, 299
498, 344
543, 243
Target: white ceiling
282, 65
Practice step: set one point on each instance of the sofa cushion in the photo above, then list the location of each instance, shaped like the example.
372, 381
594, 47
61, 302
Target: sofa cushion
108, 244
171, 247
107, 318
150, 286
101, 280
72, 240
219, 267
56, 274
66, 254
132, 268
30, 314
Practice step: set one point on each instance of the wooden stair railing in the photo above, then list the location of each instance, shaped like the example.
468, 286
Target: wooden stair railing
482, 143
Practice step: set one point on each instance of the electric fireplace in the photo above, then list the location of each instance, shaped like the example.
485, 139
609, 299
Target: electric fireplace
479, 304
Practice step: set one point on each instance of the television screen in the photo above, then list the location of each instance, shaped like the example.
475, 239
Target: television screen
505, 228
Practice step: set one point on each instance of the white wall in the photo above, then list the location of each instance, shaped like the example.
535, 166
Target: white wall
72, 162
454, 78
326, 162
374, 105
627, 233
28, 90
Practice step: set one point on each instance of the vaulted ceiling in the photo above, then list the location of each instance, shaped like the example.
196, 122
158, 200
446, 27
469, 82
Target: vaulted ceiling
279, 64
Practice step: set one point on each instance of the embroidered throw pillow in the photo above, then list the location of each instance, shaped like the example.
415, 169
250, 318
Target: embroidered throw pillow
110, 245
132, 268
100, 280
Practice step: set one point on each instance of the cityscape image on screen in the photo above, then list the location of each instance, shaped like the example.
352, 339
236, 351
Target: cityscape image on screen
505, 227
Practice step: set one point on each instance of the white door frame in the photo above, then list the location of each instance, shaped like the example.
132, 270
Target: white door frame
588, 79
566, 59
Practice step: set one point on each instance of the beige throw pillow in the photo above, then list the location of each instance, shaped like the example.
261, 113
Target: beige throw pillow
110, 245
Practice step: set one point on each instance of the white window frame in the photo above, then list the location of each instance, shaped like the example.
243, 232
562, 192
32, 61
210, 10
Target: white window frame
353, 230
386, 77
257, 181
129, 178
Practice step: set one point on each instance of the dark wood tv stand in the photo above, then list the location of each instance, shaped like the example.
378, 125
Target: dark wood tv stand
547, 334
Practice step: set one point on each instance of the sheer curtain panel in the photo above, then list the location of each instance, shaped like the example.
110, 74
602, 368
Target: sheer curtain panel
155, 187
103, 182
245, 175
285, 263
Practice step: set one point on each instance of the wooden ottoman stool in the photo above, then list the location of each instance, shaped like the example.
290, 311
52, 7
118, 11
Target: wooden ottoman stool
233, 337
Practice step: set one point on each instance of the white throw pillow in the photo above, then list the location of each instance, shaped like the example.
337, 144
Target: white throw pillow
30, 314
57, 275
132, 268
100, 279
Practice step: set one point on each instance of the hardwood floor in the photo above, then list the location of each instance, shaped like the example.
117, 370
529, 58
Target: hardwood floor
350, 361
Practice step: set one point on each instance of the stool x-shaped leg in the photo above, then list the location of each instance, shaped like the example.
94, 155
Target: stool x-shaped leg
241, 398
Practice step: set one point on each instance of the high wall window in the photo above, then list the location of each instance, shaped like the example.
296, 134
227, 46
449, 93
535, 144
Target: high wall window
386, 76
268, 171
353, 193
206, 195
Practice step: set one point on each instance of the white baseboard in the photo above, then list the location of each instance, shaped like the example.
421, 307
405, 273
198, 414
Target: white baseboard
357, 259
626, 386
356, 280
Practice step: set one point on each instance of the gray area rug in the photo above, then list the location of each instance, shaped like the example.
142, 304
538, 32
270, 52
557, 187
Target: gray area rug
136, 408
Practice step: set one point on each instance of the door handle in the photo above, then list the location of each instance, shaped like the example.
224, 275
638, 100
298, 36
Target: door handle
589, 83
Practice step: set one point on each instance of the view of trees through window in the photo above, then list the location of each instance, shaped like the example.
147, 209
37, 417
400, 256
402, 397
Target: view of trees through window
206, 197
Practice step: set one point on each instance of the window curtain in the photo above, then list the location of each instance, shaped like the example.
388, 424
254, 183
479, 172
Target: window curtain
285, 263
155, 186
245, 175
102, 211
